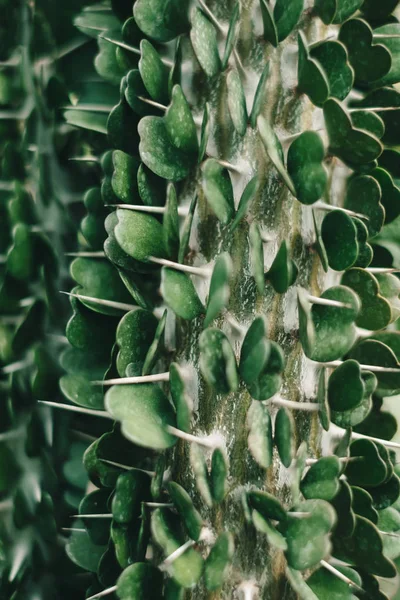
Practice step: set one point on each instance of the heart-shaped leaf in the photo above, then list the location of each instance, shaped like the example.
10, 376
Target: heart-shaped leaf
308, 536
346, 387
286, 16
363, 195
199, 466
218, 475
179, 124
350, 144
131, 490
375, 311
267, 505
373, 352
270, 32
370, 61
263, 525
332, 56
255, 351
365, 549
135, 333
328, 332
388, 36
161, 22
304, 163
322, 479
274, 150
328, 586
180, 397
144, 412
82, 551
370, 469
140, 581
140, 235
339, 237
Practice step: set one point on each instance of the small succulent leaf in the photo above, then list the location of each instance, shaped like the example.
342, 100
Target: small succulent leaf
270, 379
231, 35
246, 199
153, 72
284, 436
274, 150
187, 569
171, 223
132, 488
186, 231
182, 401
363, 195
322, 479
376, 311
144, 413
219, 288
345, 9
152, 189
346, 387
339, 237
141, 581
388, 36
362, 504
260, 434
327, 585
283, 271
374, 352
156, 347
286, 16
369, 121
378, 12
312, 79
184, 505
332, 56
203, 36
259, 96
326, 10
219, 474
370, 61
237, 102
324, 412
270, 31
217, 187
364, 549
179, 294
199, 466
308, 537
217, 361
179, 123
352, 145
140, 235
370, 469
218, 561
255, 351
82, 551
267, 505
263, 525
390, 199
158, 152
162, 22
305, 167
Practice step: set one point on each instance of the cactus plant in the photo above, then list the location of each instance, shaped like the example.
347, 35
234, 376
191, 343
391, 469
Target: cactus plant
232, 356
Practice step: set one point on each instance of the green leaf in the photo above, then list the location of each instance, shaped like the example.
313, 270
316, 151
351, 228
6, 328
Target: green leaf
204, 41
285, 436
140, 235
82, 551
260, 434
363, 195
375, 311
132, 488
135, 333
283, 271
377, 12
182, 401
232, 35
322, 479
179, 294
218, 561
332, 56
370, 61
153, 72
388, 36
185, 570
144, 412
286, 16
270, 31
219, 287
346, 142
327, 586
274, 150
259, 96
257, 257
217, 361
339, 237
237, 102
217, 187
184, 505
305, 167
311, 76
160, 21
267, 505
219, 474
246, 199
171, 223
346, 387
140, 581
179, 123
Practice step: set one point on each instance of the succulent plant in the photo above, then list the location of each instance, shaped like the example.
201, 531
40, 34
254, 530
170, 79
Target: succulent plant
219, 419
